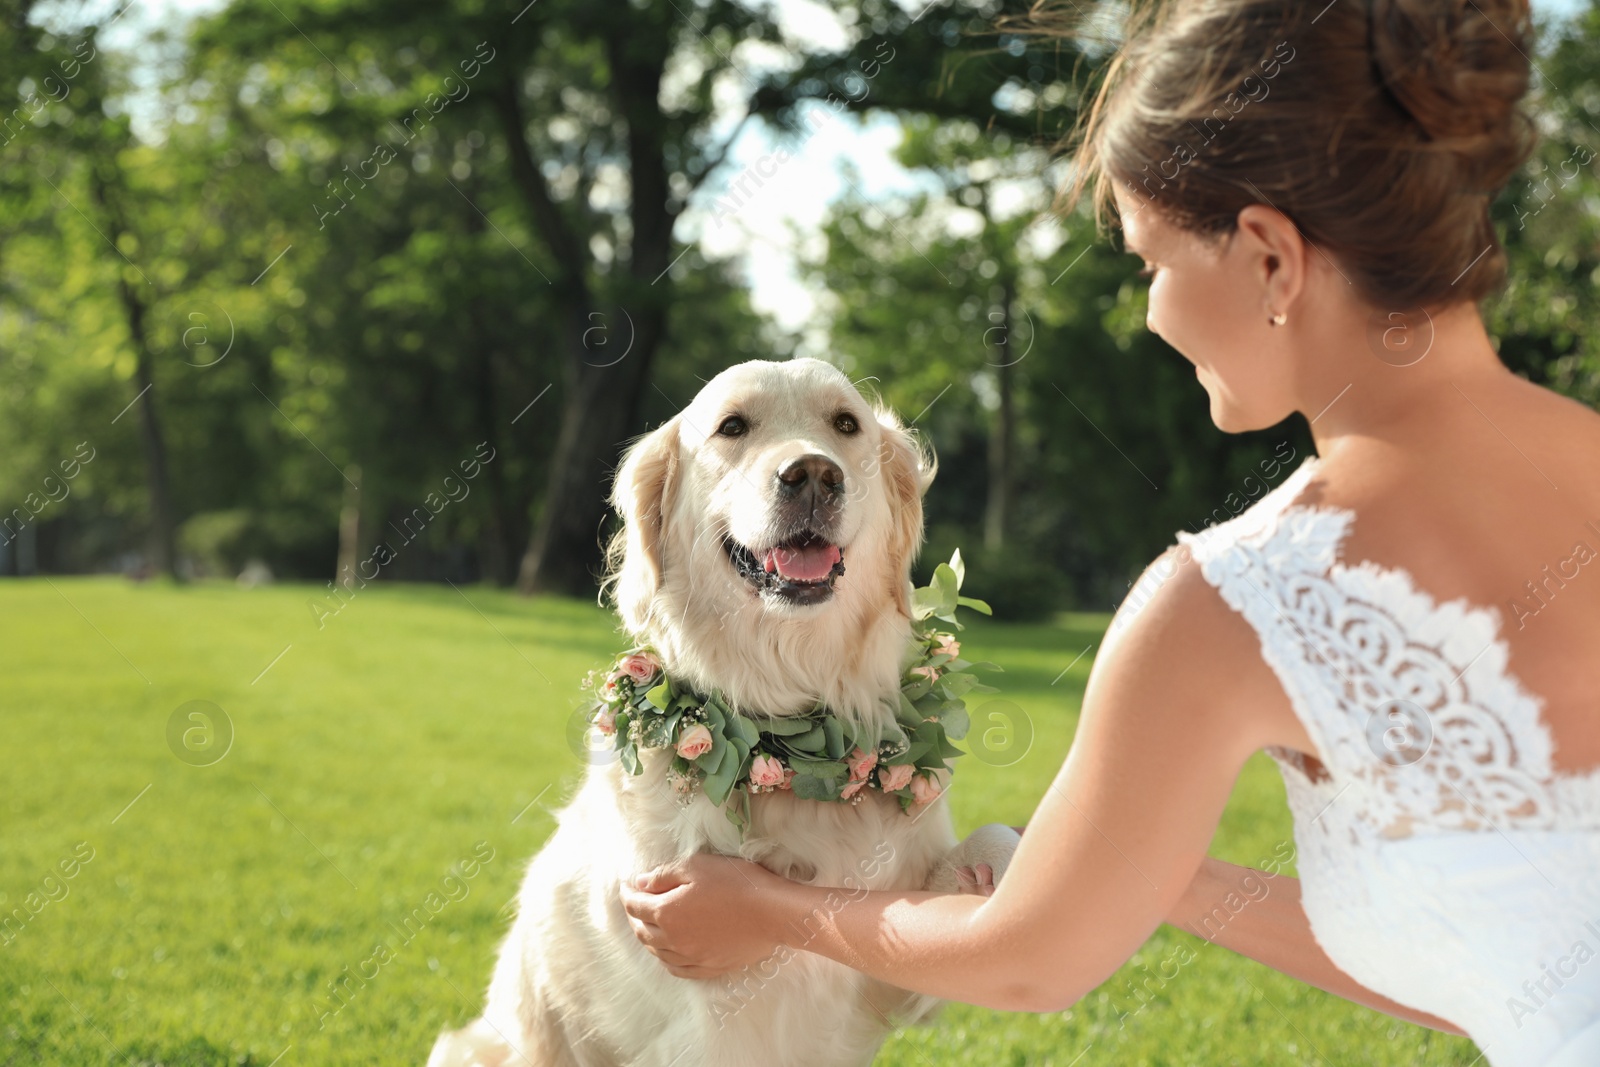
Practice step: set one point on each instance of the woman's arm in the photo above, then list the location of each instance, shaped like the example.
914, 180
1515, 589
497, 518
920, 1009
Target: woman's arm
1258, 914
1110, 851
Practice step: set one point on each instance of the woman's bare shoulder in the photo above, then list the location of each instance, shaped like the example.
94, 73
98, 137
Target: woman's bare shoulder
1478, 499
1186, 652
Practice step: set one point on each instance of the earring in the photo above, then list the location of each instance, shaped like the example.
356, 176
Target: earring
1278, 319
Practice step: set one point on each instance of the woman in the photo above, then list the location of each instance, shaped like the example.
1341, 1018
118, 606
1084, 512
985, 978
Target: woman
1408, 623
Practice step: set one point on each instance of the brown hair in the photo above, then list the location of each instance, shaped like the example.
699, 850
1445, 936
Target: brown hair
1382, 128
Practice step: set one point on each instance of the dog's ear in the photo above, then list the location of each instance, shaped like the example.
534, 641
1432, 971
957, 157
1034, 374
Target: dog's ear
907, 470
642, 494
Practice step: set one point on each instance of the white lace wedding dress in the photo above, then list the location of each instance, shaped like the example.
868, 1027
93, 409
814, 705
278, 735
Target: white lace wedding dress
1444, 863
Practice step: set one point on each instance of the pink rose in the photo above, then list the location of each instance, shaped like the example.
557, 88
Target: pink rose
608, 692
925, 789
606, 720
766, 771
852, 788
929, 672
861, 763
639, 666
948, 646
695, 741
896, 777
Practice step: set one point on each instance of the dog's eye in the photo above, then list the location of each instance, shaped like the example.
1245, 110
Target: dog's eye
732, 426
846, 423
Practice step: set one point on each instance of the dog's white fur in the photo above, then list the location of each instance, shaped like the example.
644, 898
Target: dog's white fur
573, 988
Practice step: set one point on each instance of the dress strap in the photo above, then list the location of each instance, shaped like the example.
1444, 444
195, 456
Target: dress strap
1256, 567
1405, 697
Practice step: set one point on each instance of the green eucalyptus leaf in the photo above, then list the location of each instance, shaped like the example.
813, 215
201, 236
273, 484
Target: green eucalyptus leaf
925, 600
661, 695
833, 737
817, 768
810, 741
741, 753
955, 721
958, 684
787, 726
717, 786
738, 812
808, 787
915, 751
947, 585
712, 759
741, 727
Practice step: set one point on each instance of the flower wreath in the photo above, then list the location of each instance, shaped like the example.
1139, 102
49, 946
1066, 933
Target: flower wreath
727, 753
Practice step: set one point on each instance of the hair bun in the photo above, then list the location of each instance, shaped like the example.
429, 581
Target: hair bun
1459, 68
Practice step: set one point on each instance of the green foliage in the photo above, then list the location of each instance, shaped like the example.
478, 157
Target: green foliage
1021, 586
314, 305
1549, 216
419, 320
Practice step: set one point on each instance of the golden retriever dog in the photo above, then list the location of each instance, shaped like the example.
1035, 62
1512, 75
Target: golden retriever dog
769, 530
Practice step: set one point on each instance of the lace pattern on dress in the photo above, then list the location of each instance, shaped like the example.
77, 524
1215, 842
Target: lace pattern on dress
1408, 700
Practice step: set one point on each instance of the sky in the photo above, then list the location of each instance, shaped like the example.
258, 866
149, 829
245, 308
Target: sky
776, 225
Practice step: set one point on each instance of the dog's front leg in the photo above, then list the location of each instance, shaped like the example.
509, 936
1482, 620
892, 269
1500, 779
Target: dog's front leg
992, 843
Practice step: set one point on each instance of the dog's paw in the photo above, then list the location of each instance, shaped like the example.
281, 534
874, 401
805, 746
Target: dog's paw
993, 843
475, 1045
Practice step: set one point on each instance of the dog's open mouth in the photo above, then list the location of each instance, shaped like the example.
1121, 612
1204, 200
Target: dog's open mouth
800, 570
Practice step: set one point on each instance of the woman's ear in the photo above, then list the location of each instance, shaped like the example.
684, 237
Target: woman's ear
642, 494
907, 470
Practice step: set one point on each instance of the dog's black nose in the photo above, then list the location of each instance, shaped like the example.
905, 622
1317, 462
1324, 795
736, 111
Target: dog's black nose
819, 472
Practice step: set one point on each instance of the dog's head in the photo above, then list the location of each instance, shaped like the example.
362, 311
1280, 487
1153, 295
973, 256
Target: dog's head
779, 502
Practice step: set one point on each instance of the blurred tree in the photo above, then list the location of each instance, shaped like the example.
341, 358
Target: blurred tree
606, 153
999, 185
1548, 317
68, 132
388, 235
601, 148
1096, 392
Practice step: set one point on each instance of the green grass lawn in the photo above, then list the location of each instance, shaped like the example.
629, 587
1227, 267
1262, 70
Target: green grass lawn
369, 756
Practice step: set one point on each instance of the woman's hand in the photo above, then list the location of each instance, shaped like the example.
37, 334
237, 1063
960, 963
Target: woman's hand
704, 916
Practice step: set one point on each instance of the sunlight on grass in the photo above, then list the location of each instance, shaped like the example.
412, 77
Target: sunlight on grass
421, 728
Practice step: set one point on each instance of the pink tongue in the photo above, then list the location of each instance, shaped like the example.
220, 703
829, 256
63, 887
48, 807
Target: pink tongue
810, 564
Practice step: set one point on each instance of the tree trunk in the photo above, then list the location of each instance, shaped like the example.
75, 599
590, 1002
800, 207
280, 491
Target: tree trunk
604, 388
162, 539
600, 413
1002, 431
495, 543
344, 571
